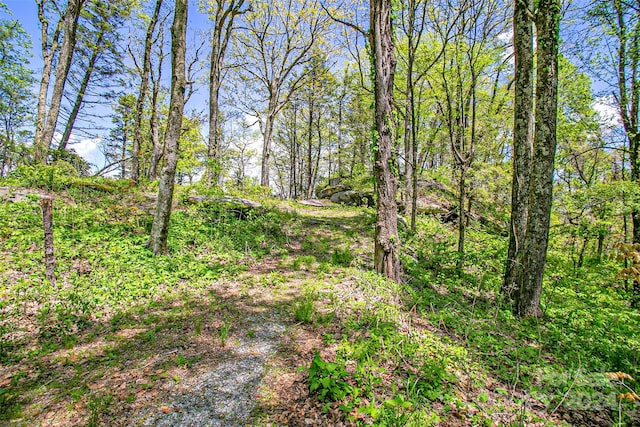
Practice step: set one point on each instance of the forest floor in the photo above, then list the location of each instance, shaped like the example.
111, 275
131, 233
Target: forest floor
245, 345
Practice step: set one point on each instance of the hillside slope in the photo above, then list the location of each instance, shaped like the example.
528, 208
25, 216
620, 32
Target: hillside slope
274, 318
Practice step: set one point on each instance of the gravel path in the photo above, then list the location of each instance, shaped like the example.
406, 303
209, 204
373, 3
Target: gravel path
225, 396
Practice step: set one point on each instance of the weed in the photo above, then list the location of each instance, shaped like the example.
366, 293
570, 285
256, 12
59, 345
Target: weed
327, 379
341, 257
98, 403
304, 260
305, 311
197, 326
223, 332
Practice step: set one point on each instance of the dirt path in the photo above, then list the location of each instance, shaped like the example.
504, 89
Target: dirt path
226, 394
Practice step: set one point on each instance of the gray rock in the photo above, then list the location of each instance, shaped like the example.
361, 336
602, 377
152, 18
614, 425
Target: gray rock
323, 203
328, 192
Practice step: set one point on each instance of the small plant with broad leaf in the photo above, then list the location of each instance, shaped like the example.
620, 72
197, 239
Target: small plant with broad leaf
327, 380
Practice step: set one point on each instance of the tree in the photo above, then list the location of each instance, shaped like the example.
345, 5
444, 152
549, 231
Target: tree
15, 92
66, 29
522, 139
275, 41
469, 75
387, 241
536, 239
417, 16
155, 79
98, 58
142, 91
241, 154
588, 199
222, 13
160, 226
620, 22
117, 145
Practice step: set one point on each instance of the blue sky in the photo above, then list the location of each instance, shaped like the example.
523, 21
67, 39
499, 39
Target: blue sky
26, 12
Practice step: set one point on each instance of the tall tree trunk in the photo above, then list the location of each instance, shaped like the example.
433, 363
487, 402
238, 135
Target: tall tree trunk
541, 192
160, 226
386, 259
223, 25
214, 152
46, 203
142, 94
462, 188
310, 148
317, 165
293, 184
522, 135
266, 147
158, 149
95, 53
48, 52
44, 138
409, 119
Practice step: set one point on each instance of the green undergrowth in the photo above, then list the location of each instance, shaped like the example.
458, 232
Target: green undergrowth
441, 345
588, 328
106, 277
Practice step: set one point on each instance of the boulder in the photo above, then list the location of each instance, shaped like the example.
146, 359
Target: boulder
328, 192
322, 203
353, 198
431, 206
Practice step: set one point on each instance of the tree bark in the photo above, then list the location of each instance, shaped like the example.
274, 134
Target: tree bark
160, 226
46, 204
462, 189
44, 137
157, 151
522, 139
142, 94
223, 25
310, 147
266, 146
541, 192
409, 119
386, 260
48, 52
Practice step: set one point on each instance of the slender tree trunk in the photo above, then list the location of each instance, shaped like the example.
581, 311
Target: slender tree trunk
310, 148
70, 26
583, 249
409, 119
339, 131
293, 185
46, 203
157, 151
142, 94
48, 53
81, 92
160, 226
600, 249
317, 165
541, 192
522, 138
214, 151
387, 241
462, 187
266, 147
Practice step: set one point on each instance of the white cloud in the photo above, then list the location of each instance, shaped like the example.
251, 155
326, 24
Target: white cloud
88, 149
607, 110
